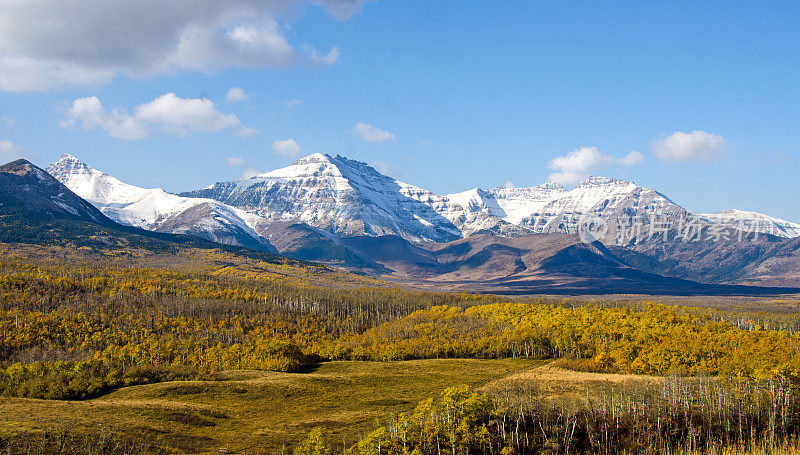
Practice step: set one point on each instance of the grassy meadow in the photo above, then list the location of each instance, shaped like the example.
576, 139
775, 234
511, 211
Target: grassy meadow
260, 410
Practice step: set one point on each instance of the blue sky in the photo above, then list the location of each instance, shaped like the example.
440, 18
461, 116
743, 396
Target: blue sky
453, 94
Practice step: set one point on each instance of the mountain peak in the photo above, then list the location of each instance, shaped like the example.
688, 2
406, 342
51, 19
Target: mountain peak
314, 158
472, 197
550, 186
23, 184
68, 157
69, 165
23, 167
522, 191
16, 165
598, 180
319, 165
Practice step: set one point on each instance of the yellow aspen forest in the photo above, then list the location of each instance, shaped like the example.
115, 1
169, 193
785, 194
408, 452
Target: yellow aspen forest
72, 332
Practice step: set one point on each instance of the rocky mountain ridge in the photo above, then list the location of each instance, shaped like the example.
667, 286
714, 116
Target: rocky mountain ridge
325, 208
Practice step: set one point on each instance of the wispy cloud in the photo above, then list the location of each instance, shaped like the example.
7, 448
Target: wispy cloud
10, 152
6, 124
292, 104
247, 170
328, 59
342, 9
386, 169
372, 134
246, 131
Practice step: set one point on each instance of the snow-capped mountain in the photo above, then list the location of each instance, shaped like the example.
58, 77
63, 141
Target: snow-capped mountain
753, 222
156, 210
628, 210
335, 210
550, 208
339, 195
347, 198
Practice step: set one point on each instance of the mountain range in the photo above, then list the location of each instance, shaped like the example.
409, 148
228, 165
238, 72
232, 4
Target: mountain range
345, 213
37, 209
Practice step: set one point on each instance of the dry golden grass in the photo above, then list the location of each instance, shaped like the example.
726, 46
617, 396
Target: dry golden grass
554, 382
257, 409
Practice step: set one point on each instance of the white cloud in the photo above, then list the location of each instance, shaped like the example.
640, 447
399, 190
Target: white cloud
579, 163
695, 146
292, 104
51, 43
91, 114
631, 159
168, 113
287, 147
178, 115
11, 152
371, 134
247, 171
246, 131
509, 184
237, 94
576, 165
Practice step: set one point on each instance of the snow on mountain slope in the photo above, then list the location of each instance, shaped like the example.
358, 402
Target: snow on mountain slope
473, 211
156, 210
754, 222
477, 200
627, 210
339, 195
347, 198
479, 208
550, 208
519, 203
